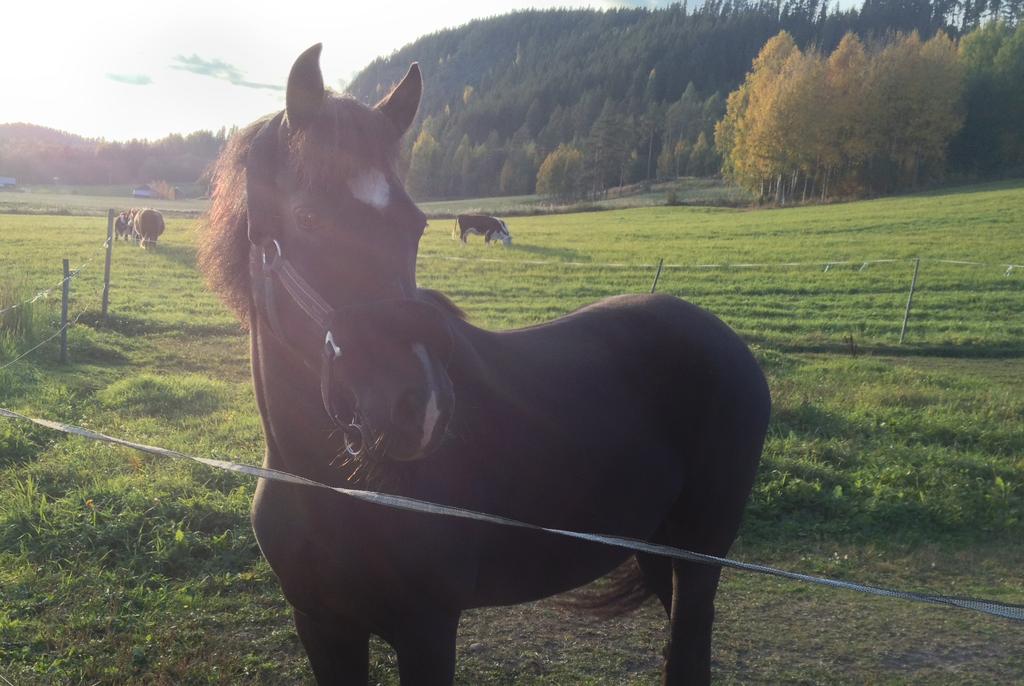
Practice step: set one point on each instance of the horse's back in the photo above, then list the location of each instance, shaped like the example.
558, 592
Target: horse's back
723, 381
149, 224
651, 329
668, 368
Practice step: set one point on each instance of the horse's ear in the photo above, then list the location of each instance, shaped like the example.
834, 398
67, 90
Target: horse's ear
305, 93
401, 103
260, 164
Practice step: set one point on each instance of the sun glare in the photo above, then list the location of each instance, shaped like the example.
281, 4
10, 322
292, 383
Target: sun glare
121, 70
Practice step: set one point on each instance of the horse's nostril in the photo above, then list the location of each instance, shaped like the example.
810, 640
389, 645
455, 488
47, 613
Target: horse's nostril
406, 409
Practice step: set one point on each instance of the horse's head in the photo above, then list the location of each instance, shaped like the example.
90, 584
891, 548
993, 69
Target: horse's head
388, 381
309, 226
321, 181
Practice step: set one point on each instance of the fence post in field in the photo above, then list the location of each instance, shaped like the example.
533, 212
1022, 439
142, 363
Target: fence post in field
910, 299
106, 268
65, 288
657, 274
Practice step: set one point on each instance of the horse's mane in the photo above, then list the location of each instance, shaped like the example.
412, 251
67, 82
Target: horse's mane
223, 239
345, 138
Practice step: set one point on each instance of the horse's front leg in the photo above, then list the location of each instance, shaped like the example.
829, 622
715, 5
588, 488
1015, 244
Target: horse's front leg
425, 646
339, 654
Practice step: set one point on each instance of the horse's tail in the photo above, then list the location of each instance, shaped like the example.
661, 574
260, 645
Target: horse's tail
620, 592
455, 229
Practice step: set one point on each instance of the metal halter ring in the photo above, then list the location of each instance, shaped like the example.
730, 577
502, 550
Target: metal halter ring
275, 258
330, 346
354, 444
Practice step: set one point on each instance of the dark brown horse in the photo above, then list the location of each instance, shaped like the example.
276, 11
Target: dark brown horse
639, 416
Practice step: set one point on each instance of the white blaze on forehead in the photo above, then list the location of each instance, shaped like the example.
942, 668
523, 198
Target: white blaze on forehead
431, 413
371, 187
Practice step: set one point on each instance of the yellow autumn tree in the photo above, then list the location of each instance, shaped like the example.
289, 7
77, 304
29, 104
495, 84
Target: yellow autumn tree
914, 91
846, 118
845, 124
561, 174
746, 136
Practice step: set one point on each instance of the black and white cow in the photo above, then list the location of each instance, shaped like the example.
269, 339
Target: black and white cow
491, 228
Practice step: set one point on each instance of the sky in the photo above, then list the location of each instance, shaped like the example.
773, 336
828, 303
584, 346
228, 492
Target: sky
121, 70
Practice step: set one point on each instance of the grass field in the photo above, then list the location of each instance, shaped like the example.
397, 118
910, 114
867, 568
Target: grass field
898, 465
95, 200
683, 191
91, 200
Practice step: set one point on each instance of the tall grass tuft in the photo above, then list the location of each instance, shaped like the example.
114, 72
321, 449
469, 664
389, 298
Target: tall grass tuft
17, 317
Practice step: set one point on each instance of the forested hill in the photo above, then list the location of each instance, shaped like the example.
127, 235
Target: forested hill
501, 93
37, 154
19, 134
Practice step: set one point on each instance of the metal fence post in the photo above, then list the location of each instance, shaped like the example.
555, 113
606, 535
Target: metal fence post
65, 288
910, 299
654, 285
106, 268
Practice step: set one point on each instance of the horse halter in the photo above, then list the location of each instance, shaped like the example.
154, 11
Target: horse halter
276, 268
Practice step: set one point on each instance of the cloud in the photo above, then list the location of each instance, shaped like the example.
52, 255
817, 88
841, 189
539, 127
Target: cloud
131, 79
218, 69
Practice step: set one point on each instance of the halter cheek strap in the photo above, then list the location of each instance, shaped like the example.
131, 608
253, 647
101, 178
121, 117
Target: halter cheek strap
276, 269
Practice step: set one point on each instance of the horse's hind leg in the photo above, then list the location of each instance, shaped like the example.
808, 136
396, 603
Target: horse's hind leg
688, 658
706, 519
338, 654
425, 647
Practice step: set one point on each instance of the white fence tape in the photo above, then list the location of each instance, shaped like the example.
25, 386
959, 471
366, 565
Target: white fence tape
998, 609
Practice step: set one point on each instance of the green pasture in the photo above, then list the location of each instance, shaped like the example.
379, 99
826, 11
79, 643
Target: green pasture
95, 200
897, 465
682, 191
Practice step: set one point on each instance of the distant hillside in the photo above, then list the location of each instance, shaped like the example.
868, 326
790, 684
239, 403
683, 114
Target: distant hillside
18, 134
36, 154
633, 89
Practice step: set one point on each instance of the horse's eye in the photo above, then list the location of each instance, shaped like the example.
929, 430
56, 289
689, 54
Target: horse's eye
307, 219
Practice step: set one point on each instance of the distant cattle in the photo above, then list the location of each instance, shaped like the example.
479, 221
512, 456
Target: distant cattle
123, 225
491, 228
148, 224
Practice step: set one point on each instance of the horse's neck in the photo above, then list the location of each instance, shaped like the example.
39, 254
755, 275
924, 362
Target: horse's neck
297, 430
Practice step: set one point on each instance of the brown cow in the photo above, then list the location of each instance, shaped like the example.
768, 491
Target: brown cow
491, 228
148, 224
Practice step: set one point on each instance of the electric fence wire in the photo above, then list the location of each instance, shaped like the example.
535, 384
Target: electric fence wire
97, 296
44, 293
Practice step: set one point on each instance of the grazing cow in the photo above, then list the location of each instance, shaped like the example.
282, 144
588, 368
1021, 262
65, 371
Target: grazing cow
123, 225
149, 224
491, 228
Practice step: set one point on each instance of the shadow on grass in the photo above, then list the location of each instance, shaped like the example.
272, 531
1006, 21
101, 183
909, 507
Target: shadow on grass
128, 325
553, 253
183, 255
809, 421
973, 351
90, 352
